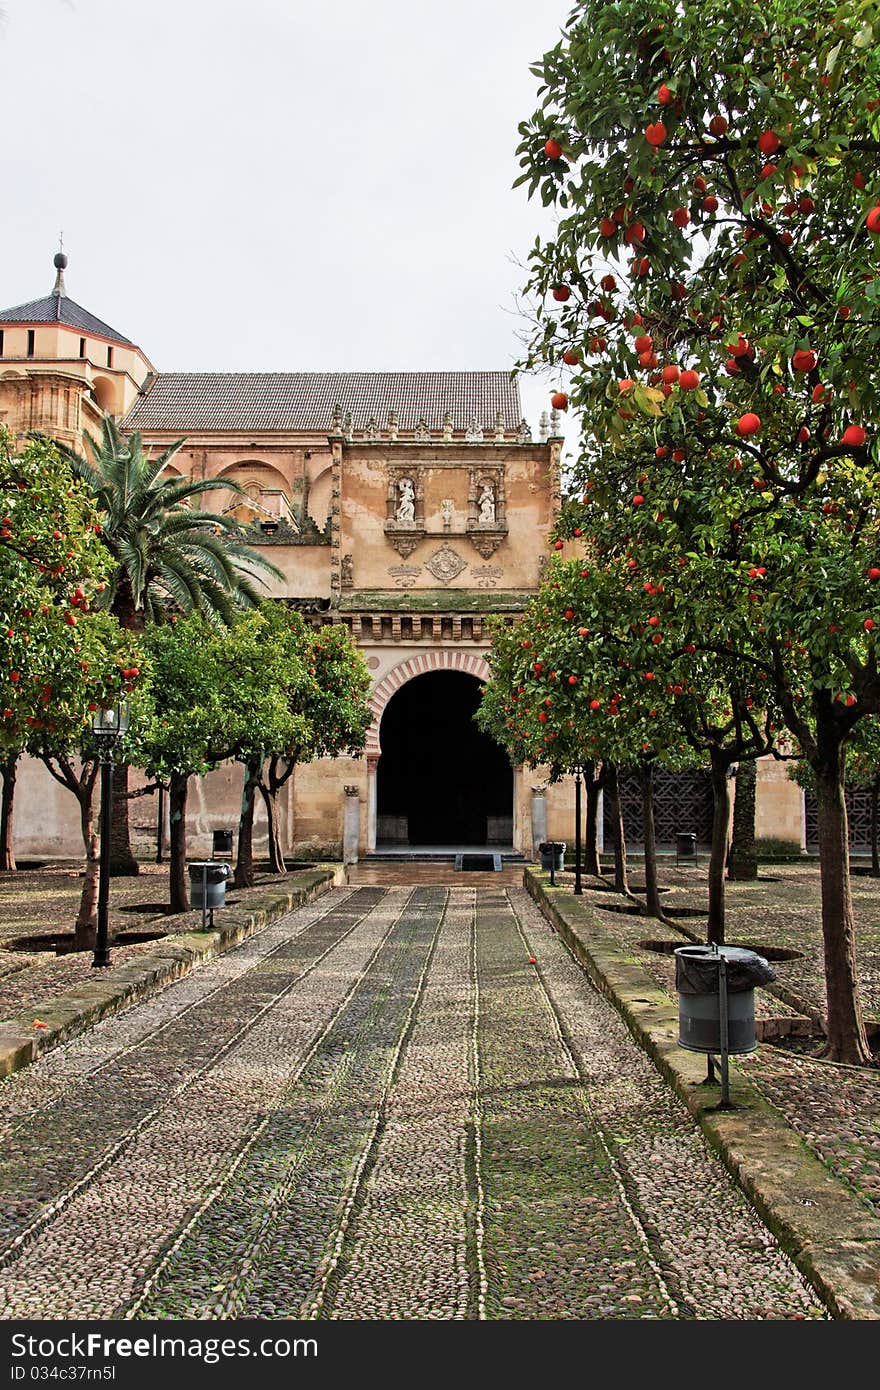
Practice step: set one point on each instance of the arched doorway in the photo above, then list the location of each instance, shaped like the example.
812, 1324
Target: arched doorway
440, 780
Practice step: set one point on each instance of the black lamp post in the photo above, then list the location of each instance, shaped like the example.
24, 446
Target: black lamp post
108, 726
577, 832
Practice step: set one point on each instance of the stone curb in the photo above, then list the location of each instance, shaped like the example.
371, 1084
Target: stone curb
826, 1230
118, 988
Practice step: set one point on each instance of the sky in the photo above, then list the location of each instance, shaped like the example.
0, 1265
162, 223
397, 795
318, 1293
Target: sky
275, 185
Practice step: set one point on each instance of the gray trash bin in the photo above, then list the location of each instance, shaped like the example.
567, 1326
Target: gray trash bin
207, 881
699, 1011
552, 854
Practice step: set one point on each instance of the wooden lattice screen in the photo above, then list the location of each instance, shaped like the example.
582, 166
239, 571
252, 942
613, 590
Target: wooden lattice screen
858, 812
682, 805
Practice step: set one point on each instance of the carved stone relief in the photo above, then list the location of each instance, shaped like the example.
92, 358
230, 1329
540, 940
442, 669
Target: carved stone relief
403, 544
405, 576
446, 564
486, 576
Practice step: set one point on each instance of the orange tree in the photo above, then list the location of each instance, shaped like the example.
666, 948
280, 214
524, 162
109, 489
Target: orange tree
606, 667
269, 692
59, 660
332, 699
219, 694
715, 273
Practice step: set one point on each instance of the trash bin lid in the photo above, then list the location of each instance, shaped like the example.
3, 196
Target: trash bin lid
696, 969
215, 868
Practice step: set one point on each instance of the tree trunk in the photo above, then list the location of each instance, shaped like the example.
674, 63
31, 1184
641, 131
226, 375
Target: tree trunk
847, 1041
85, 931
122, 862
718, 857
178, 887
591, 834
612, 787
743, 861
276, 849
875, 800
652, 891
244, 868
8, 771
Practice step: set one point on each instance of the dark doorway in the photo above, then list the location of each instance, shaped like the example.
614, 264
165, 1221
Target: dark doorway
441, 781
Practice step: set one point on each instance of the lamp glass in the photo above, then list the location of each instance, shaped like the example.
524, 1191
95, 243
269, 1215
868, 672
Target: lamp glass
112, 721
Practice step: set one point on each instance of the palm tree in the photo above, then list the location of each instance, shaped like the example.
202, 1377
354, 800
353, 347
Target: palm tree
169, 555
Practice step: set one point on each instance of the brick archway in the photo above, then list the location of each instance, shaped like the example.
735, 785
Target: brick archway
417, 666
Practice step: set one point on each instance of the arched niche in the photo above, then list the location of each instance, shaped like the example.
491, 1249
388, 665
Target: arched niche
320, 491
268, 491
106, 393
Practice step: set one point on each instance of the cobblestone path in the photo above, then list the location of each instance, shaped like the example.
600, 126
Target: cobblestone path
377, 1108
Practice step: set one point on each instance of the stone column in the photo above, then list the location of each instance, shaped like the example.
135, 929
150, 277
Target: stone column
372, 764
539, 818
351, 825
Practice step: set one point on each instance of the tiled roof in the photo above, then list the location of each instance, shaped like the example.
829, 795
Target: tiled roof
57, 308
184, 401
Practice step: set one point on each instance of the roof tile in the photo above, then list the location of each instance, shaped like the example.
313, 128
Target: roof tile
57, 308
220, 401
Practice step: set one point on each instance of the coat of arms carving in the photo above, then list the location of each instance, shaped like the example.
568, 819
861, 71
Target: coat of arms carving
446, 564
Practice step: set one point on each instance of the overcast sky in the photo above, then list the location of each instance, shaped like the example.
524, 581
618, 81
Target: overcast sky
276, 184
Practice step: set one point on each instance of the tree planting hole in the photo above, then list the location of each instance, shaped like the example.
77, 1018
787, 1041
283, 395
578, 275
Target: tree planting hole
62, 943
59, 943
667, 948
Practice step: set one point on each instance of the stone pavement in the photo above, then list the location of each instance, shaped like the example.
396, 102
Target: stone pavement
403, 1102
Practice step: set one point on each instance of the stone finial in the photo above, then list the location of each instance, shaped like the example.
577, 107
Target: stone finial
59, 260
422, 433
392, 424
336, 419
347, 427
499, 427
524, 433
372, 430
474, 431
554, 424
447, 424
543, 427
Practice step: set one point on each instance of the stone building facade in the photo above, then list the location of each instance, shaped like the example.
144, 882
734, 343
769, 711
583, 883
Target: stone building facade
412, 507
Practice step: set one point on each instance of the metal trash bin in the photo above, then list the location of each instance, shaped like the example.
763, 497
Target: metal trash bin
685, 846
699, 1007
222, 842
207, 881
552, 854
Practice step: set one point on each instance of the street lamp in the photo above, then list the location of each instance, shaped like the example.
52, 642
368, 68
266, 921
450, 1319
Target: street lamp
577, 832
108, 726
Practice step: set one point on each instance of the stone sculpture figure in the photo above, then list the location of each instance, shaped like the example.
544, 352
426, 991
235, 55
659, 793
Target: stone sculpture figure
406, 507
486, 503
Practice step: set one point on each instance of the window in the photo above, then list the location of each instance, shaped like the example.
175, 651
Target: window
109, 357
31, 342
82, 347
